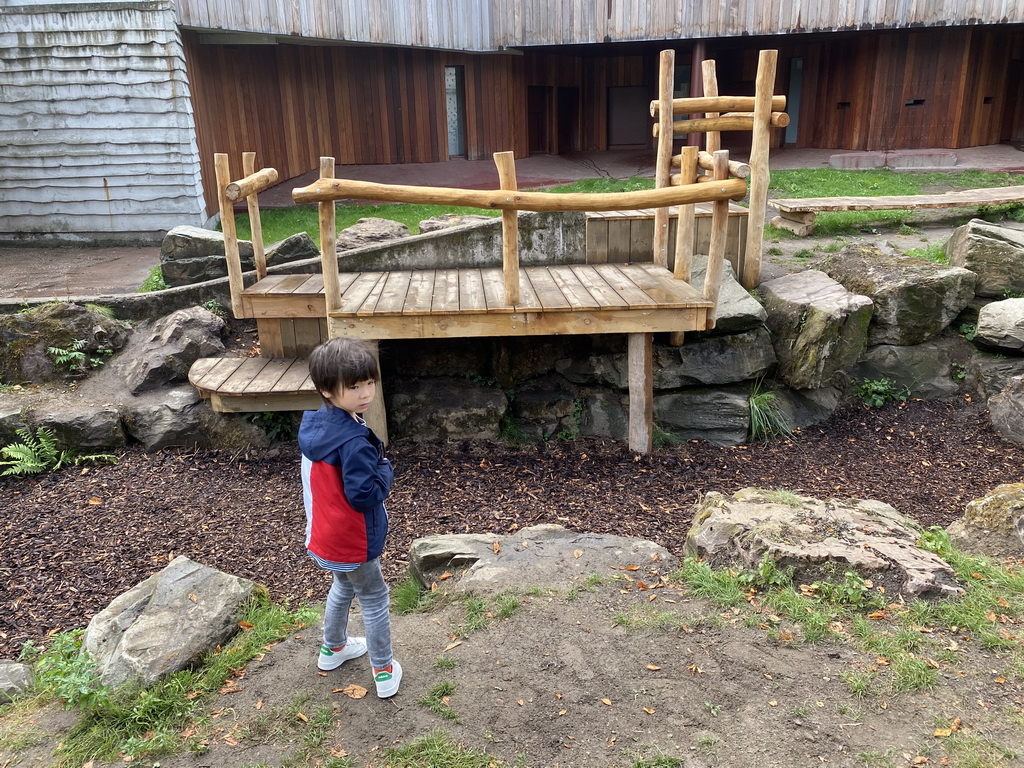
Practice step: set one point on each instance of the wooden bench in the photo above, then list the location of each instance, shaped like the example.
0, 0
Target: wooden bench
797, 214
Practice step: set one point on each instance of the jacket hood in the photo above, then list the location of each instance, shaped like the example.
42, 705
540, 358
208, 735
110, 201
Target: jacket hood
322, 432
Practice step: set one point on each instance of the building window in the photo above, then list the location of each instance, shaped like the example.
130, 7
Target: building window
455, 101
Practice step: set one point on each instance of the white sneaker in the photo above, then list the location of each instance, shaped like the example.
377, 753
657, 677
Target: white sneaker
354, 648
388, 682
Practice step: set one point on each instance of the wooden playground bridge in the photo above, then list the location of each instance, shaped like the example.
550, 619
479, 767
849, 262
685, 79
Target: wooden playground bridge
294, 313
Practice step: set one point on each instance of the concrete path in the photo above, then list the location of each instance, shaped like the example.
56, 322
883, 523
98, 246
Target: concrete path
76, 271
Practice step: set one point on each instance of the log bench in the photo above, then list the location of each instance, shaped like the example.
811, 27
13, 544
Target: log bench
797, 214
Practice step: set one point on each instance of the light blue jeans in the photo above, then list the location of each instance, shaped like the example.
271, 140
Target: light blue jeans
367, 583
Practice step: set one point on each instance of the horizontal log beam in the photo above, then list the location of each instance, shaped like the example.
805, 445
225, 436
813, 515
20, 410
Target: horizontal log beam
325, 190
253, 184
706, 161
717, 104
724, 123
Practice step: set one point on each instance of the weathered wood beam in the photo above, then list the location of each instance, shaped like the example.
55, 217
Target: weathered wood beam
716, 249
716, 103
641, 391
328, 240
222, 170
505, 161
760, 178
724, 123
253, 203
663, 161
253, 183
330, 189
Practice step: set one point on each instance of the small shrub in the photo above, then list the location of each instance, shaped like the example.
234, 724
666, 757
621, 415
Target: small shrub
877, 392
154, 281
767, 575
766, 417
968, 331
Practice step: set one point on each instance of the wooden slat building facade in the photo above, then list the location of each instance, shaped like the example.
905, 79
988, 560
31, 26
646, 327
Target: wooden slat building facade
369, 81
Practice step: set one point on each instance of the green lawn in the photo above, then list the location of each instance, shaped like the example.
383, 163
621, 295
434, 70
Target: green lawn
812, 182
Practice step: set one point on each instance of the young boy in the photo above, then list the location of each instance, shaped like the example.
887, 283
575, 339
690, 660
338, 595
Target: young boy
345, 479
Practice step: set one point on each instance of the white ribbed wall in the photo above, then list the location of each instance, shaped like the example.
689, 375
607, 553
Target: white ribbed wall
97, 138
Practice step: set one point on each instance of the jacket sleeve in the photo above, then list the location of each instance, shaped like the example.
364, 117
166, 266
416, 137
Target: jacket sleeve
367, 477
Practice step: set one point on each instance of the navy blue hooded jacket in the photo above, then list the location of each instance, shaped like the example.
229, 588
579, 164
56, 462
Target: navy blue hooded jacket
346, 478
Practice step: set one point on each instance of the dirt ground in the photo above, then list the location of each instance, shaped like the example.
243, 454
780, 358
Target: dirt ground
562, 682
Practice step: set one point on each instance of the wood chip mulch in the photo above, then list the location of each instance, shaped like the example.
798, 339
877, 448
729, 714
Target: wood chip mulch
74, 539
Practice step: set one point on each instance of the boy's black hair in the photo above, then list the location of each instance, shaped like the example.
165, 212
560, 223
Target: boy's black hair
342, 361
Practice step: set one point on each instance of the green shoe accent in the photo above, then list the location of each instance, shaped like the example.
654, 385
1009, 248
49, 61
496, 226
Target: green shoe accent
383, 676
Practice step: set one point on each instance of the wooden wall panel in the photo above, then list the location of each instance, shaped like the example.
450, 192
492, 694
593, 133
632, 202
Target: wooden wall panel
291, 104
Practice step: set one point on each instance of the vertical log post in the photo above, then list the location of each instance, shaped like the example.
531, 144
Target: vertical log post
376, 415
505, 161
686, 225
710, 75
641, 392
663, 166
227, 224
328, 245
760, 176
700, 52
719, 235
255, 224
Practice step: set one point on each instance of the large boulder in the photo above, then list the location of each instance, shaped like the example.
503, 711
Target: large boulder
194, 255
914, 298
297, 247
15, 679
546, 556
818, 327
992, 525
804, 407
547, 407
1007, 410
164, 355
931, 369
737, 310
165, 623
714, 359
989, 374
1001, 325
84, 336
85, 428
994, 253
370, 231
818, 539
721, 415
606, 415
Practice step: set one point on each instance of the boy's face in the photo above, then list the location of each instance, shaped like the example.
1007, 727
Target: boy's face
354, 399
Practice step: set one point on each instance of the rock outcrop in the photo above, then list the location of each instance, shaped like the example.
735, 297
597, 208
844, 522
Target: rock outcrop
1007, 410
992, 525
1001, 325
165, 623
818, 539
370, 231
994, 253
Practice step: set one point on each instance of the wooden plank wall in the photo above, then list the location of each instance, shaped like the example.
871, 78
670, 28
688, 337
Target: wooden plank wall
907, 89
96, 131
483, 25
291, 104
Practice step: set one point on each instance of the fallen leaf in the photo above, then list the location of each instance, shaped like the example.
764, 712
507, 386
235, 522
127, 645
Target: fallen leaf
648, 711
632, 568
448, 647
193, 597
562, 712
302, 717
521, 703
339, 753
353, 691
95, 500
245, 625
445, 575
577, 553
1000, 680
773, 703
943, 733
558, 696
694, 670
607, 702
653, 667
259, 704
496, 547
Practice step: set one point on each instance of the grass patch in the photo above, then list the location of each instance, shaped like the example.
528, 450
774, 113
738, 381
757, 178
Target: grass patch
479, 611
437, 701
767, 419
154, 281
589, 584
133, 721
438, 750
409, 596
935, 252
647, 618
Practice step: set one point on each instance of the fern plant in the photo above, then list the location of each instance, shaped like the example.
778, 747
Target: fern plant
71, 357
39, 452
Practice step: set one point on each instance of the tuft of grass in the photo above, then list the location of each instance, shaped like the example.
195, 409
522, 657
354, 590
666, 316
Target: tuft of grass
859, 682
721, 587
445, 662
767, 419
437, 698
409, 596
438, 750
912, 673
935, 252
154, 281
604, 185
646, 618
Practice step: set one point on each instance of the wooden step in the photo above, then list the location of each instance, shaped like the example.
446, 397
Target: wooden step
254, 384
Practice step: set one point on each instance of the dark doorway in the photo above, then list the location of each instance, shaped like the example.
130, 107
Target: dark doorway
1013, 124
568, 129
538, 116
629, 117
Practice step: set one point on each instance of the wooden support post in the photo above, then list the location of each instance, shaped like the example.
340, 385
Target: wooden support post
505, 161
328, 244
685, 229
697, 56
663, 166
760, 176
259, 256
710, 75
376, 415
719, 235
227, 224
641, 392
